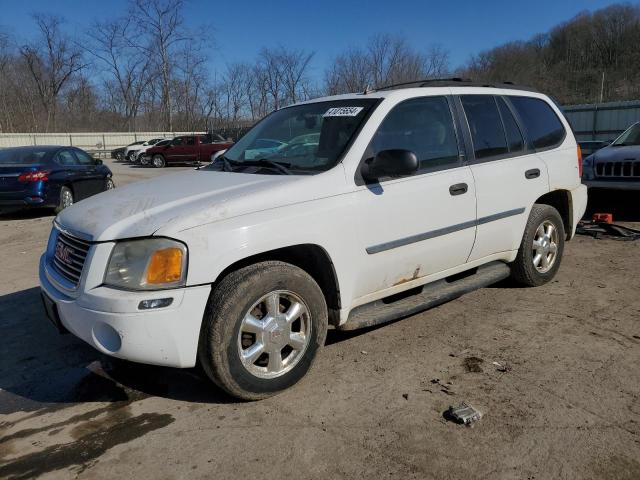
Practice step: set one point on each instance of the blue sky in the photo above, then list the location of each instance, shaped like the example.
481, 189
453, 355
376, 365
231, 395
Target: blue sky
327, 27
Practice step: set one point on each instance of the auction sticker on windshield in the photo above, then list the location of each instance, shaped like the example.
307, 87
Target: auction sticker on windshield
343, 112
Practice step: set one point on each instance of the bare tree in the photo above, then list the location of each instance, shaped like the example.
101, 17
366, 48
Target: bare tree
52, 61
111, 43
163, 23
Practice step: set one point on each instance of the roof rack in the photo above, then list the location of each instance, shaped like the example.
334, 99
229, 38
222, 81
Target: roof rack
454, 82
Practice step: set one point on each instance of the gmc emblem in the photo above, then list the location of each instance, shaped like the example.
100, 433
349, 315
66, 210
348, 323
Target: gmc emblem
63, 253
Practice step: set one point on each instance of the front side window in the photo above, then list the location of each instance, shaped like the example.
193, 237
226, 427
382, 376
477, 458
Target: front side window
66, 158
485, 125
302, 139
83, 158
631, 136
177, 141
543, 127
425, 127
189, 140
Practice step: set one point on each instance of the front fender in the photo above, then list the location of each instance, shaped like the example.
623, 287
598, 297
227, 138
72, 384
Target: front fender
326, 223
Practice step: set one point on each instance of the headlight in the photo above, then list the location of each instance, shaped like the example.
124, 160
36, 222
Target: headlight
148, 264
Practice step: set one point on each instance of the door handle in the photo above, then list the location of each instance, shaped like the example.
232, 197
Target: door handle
533, 173
458, 189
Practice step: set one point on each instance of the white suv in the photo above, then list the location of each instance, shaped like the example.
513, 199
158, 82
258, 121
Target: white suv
365, 208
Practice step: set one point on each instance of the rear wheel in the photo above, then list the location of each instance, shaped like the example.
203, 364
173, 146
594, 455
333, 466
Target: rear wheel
158, 161
66, 199
541, 249
262, 329
110, 185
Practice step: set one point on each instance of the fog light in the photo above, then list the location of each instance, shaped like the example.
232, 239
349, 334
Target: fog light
155, 303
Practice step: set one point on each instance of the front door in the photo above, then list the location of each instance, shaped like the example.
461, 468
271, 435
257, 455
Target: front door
425, 223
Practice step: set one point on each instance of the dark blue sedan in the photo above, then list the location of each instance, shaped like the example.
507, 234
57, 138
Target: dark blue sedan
49, 176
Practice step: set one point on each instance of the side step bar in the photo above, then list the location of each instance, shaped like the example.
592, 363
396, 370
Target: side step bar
432, 294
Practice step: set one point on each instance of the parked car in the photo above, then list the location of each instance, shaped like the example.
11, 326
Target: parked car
50, 176
186, 149
119, 153
131, 149
412, 197
589, 147
616, 166
262, 147
139, 156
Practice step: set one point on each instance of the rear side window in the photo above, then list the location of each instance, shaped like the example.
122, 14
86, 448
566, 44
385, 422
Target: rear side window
514, 136
485, 124
424, 126
542, 125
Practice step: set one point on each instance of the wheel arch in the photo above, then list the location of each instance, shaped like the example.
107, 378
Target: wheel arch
311, 258
562, 202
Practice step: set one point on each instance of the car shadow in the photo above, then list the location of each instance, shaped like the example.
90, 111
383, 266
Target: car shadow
623, 204
43, 369
26, 213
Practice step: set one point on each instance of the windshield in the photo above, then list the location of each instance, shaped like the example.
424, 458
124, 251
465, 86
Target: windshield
22, 157
630, 137
304, 139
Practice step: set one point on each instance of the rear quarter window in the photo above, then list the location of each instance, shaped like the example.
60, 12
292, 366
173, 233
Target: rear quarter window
543, 127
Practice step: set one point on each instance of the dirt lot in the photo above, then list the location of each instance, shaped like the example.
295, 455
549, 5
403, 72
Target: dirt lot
569, 407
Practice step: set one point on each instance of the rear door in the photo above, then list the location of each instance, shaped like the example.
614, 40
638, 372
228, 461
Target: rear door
509, 176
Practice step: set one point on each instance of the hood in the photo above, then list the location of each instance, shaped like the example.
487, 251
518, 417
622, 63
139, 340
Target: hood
617, 154
180, 200
176, 202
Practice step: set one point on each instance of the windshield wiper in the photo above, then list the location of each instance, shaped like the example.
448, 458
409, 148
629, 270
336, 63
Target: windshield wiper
282, 167
226, 163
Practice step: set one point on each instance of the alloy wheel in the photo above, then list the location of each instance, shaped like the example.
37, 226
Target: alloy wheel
274, 334
545, 246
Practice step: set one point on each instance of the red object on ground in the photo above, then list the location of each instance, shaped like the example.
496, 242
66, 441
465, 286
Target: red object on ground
603, 217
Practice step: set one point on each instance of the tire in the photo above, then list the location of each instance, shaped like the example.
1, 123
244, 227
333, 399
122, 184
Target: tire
109, 184
224, 333
158, 161
65, 200
528, 269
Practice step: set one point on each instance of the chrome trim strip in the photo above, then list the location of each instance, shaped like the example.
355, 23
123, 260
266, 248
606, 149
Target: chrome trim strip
401, 242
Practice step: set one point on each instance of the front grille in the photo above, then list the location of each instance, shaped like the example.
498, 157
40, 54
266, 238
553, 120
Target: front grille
69, 256
629, 168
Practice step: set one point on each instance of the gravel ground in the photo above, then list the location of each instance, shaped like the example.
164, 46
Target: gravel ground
567, 406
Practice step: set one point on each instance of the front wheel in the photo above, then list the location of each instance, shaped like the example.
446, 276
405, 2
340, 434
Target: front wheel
158, 161
109, 184
262, 328
542, 246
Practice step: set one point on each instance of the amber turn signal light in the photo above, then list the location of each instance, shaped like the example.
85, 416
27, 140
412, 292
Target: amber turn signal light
165, 266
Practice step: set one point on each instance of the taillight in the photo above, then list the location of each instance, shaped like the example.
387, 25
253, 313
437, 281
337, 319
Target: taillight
40, 175
579, 161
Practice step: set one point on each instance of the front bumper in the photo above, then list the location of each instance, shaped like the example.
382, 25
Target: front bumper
110, 321
613, 184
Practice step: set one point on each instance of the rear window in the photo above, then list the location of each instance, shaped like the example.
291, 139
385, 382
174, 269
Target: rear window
22, 157
543, 127
485, 124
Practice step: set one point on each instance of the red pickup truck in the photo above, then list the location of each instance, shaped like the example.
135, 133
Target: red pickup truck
186, 149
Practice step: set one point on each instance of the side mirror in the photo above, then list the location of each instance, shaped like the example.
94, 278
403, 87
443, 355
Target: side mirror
97, 161
390, 163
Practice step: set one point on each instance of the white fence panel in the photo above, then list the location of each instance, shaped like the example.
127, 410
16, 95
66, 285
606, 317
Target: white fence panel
94, 141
